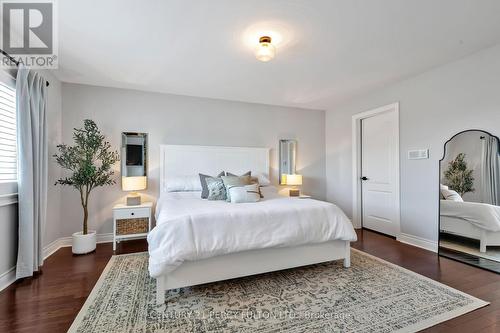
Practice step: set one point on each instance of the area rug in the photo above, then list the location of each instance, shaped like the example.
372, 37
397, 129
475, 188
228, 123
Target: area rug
370, 296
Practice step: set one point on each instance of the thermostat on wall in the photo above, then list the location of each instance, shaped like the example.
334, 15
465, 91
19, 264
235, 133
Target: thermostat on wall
418, 154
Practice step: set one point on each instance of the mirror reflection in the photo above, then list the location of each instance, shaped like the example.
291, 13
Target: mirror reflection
134, 154
469, 228
287, 152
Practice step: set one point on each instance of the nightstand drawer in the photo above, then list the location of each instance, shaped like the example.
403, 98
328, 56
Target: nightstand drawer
131, 213
132, 226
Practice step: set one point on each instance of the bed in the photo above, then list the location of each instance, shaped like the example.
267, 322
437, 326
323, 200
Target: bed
473, 220
198, 241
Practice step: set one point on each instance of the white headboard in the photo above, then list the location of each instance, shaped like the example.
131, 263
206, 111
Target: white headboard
179, 160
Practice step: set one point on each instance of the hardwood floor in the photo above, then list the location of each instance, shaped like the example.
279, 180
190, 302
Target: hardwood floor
49, 302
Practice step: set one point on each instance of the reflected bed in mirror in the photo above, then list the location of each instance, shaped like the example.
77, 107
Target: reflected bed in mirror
469, 190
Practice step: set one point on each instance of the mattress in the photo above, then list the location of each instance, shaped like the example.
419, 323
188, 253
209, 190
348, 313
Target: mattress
189, 228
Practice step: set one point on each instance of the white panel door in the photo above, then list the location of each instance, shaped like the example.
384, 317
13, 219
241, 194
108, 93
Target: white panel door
379, 171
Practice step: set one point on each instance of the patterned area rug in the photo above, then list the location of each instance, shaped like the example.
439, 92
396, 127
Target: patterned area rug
371, 296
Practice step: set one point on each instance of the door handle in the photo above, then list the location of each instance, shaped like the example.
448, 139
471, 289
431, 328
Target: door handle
364, 178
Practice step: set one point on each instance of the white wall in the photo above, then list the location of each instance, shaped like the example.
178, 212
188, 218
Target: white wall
433, 107
171, 119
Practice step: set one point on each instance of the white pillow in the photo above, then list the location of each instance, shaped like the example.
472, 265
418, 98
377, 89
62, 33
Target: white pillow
247, 193
262, 178
442, 187
451, 195
183, 184
269, 191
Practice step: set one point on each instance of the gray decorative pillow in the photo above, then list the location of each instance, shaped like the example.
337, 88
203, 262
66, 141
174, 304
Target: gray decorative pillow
204, 188
248, 173
216, 189
232, 181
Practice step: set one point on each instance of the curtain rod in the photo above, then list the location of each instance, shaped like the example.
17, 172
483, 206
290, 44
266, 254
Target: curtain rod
15, 61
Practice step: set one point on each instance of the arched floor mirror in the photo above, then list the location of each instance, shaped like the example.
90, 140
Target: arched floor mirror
469, 204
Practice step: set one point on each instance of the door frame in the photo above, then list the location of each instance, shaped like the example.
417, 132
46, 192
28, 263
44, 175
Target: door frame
356, 163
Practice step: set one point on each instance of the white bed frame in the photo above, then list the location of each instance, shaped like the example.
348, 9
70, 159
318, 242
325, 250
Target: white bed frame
461, 227
178, 160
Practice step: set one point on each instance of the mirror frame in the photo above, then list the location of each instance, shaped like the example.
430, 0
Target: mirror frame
146, 151
439, 252
282, 143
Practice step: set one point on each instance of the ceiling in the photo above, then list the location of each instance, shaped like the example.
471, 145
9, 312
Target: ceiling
328, 51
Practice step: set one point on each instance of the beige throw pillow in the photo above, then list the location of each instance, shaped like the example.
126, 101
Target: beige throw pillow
232, 181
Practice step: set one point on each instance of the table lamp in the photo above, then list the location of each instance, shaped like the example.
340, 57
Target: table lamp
134, 184
294, 180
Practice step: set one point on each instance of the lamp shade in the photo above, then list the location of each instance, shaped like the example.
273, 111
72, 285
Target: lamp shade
293, 179
134, 183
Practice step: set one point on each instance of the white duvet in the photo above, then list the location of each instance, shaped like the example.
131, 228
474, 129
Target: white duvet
189, 228
481, 215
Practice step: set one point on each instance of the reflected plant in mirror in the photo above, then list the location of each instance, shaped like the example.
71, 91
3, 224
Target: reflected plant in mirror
459, 177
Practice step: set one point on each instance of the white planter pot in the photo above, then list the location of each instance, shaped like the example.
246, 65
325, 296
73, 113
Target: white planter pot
84, 243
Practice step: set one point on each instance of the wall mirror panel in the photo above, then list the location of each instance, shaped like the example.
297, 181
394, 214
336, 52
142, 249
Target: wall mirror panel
469, 204
287, 153
134, 154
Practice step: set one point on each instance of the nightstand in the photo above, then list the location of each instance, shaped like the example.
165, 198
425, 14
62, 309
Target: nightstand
131, 221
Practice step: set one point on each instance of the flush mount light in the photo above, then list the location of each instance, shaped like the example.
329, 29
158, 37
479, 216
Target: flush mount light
265, 51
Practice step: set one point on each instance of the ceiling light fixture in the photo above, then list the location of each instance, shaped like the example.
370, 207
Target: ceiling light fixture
265, 51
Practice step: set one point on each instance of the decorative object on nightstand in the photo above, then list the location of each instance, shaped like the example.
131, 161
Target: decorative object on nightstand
294, 180
90, 161
134, 184
131, 221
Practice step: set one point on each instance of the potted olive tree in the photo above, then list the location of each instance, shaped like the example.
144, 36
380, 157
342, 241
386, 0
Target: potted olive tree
89, 162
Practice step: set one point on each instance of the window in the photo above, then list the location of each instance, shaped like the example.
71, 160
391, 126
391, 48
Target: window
8, 139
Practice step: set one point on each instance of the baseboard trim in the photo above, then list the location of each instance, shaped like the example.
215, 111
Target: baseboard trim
105, 238
420, 242
66, 242
8, 278
51, 248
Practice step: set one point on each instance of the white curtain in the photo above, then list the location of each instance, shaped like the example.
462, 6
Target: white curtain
490, 171
31, 96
